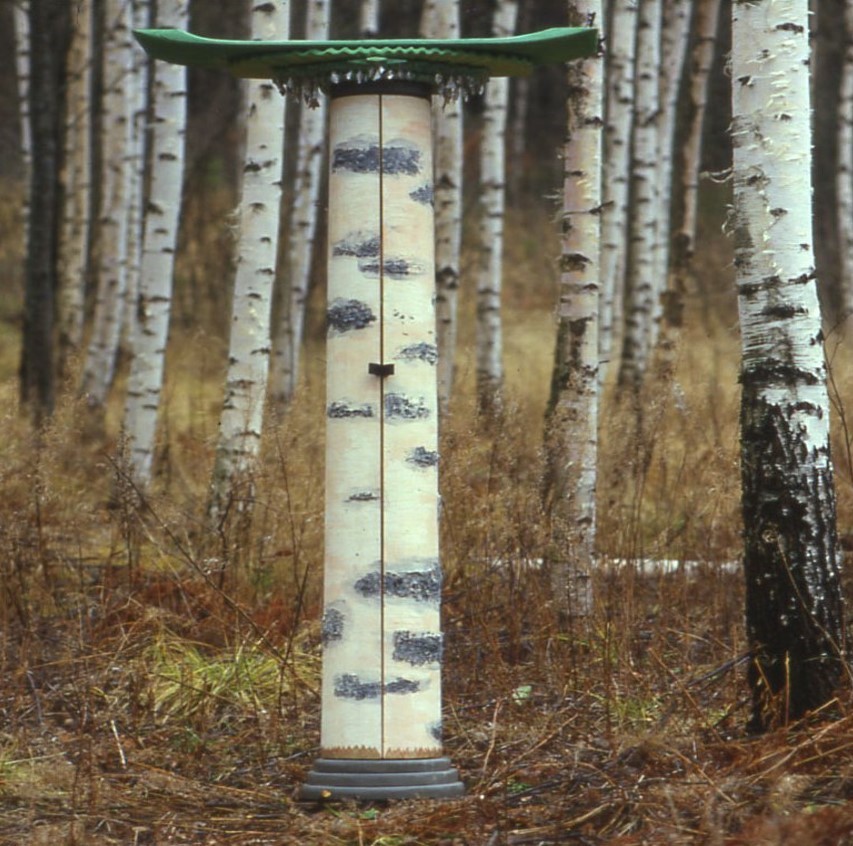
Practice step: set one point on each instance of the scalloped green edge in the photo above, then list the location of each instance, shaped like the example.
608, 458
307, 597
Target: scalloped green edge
512, 56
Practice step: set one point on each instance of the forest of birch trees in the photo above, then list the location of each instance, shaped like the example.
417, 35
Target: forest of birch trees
693, 179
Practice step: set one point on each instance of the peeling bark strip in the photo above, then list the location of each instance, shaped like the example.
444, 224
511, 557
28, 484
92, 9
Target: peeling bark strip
393, 268
424, 195
340, 410
358, 244
419, 585
399, 407
422, 457
333, 626
349, 686
348, 315
417, 649
363, 155
420, 352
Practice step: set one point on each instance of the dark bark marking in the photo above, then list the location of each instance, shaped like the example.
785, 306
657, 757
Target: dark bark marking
436, 732
340, 410
419, 352
423, 195
348, 315
417, 649
363, 155
350, 686
422, 457
419, 585
393, 268
363, 496
358, 244
333, 626
399, 407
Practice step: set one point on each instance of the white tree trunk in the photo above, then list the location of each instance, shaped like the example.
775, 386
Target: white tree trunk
22, 69
644, 235
794, 609
369, 18
675, 34
440, 19
492, 199
77, 184
154, 298
257, 245
382, 585
572, 419
844, 184
619, 79
303, 226
113, 223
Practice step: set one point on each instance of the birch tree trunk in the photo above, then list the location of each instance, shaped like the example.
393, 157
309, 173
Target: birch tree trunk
48, 27
572, 417
22, 69
794, 610
705, 26
643, 230
675, 33
303, 226
369, 18
492, 198
159, 241
241, 421
844, 179
100, 362
77, 186
619, 60
440, 19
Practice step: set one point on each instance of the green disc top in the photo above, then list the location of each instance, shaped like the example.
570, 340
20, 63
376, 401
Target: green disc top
512, 56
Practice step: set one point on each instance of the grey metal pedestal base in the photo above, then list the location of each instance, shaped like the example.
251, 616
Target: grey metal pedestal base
332, 779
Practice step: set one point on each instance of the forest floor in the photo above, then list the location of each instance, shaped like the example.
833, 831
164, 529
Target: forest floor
161, 678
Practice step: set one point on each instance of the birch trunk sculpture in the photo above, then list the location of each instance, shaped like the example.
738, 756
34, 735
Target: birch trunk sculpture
794, 609
381, 699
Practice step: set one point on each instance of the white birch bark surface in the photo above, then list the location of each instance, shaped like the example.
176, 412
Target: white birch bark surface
572, 420
489, 340
844, 184
619, 80
111, 264
644, 235
241, 421
793, 607
705, 26
154, 297
303, 227
382, 586
675, 38
22, 70
77, 185
369, 18
440, 19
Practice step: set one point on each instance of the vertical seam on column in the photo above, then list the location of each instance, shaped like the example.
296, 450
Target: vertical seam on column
381, 432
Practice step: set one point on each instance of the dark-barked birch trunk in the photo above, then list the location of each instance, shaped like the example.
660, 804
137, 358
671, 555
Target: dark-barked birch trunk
794, 609
77, 184
844, 177
571, 432
49, 28
489, 337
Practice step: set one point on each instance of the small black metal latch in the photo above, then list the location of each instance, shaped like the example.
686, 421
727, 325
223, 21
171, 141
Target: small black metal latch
382, 370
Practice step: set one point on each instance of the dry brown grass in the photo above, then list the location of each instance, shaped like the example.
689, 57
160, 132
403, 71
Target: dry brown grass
161, 680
